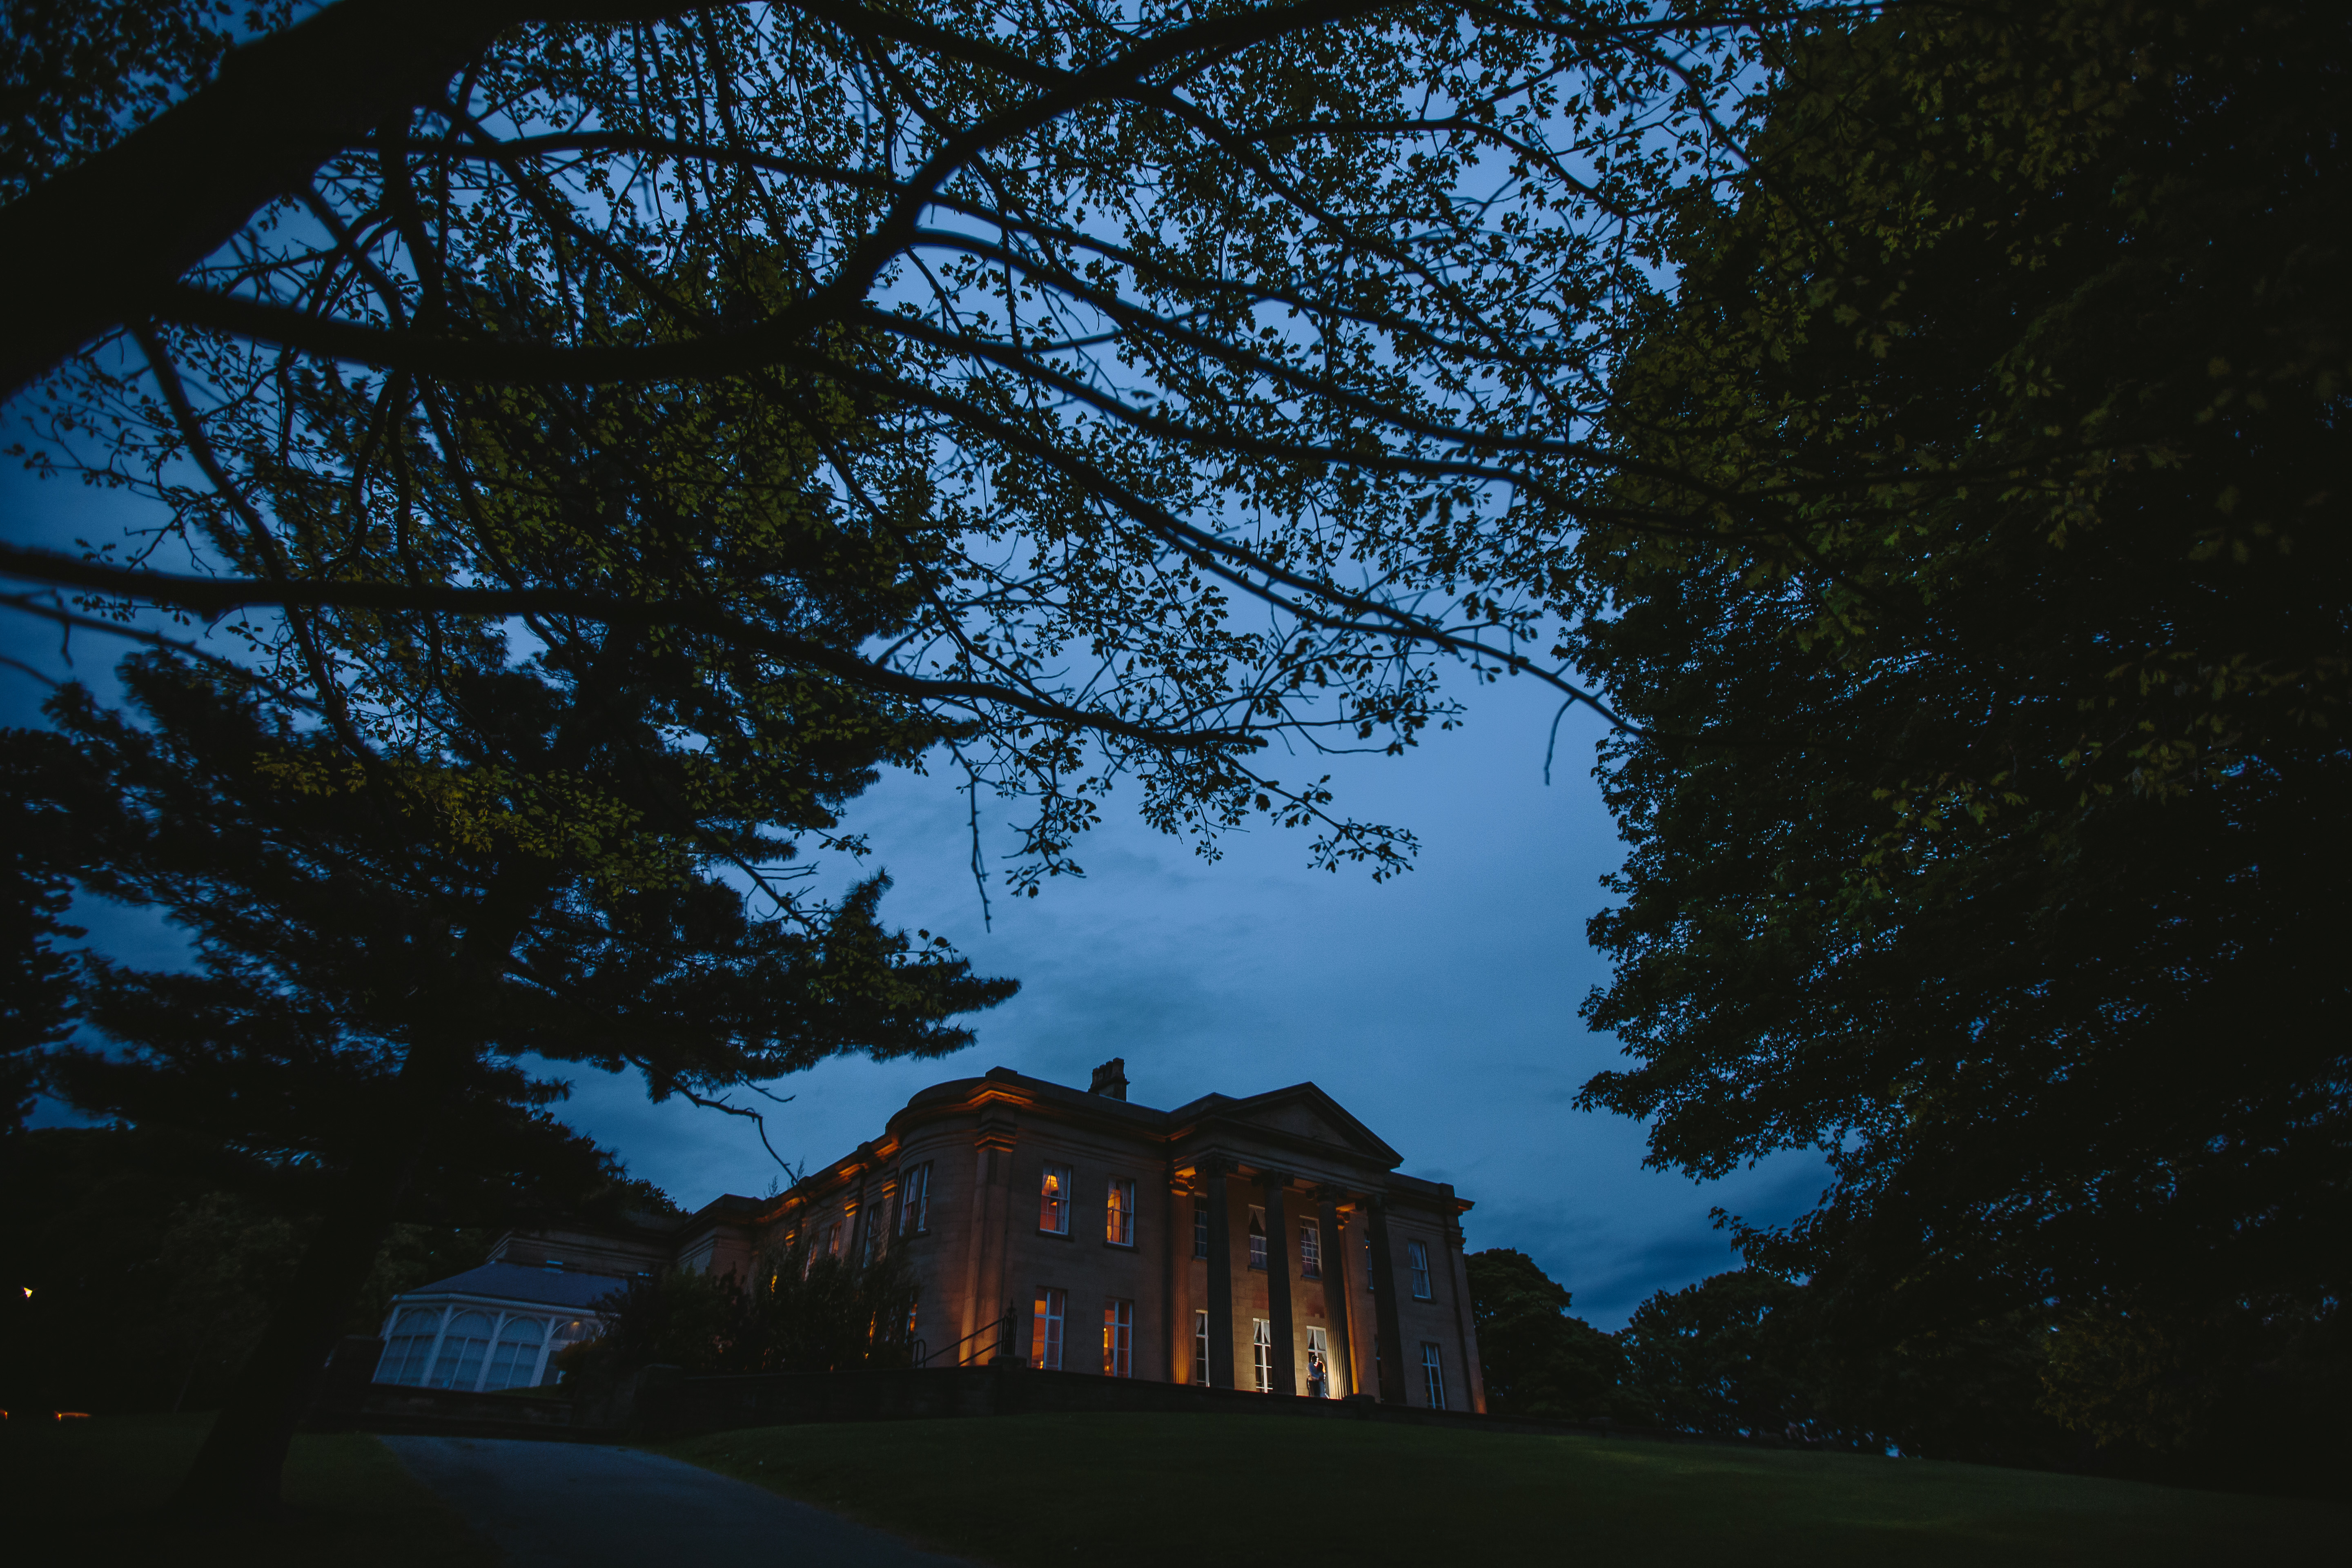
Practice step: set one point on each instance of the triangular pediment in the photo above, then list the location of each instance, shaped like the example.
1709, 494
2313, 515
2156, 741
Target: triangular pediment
1305, 1112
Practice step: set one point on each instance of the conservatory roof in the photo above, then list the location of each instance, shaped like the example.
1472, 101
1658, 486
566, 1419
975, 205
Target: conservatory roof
512, 1282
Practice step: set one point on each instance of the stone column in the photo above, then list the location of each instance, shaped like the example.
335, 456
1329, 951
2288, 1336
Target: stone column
985, 1260
1335, 1294
1384, 1306
1221, 1274
1170, 1262
1458, 1276
1281, 1253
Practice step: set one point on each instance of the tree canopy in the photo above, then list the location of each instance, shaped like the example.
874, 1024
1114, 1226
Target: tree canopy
1991, 637
1214, 369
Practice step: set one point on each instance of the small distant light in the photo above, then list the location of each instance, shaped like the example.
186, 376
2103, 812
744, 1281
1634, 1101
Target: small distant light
27, 1290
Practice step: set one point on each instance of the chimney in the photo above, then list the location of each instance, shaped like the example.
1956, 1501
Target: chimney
1110, 1078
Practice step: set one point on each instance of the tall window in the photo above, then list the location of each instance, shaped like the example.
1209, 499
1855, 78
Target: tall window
459, 1364
1433, 1374
1257, 1237
1201, 1349
1310, 1249
1200, 1227
833, 1240
1418, 1256
1045, 1332
866, 1232
1261, 1353
410, 1346
1118, 1339
915, 1200
1118, 1213
1318, 1364
516, 1355
1053, 1200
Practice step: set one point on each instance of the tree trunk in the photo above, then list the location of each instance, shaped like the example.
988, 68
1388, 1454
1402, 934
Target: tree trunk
237, 1470
85, 250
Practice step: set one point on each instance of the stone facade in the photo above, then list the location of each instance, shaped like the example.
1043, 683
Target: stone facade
1267, 1242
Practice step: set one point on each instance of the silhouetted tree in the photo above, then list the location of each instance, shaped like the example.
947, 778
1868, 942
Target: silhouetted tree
1989, 625
1536, 1358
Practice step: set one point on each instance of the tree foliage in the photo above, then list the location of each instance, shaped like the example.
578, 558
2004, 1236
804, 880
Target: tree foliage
147, 1262
37, 990
1535, 1358
799, 1311
451, 854
1210, 371
1988, 620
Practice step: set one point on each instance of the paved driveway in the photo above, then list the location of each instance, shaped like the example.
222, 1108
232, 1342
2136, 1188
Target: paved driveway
576, 1505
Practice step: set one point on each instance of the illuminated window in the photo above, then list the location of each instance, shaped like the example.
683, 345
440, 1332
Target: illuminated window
410, 1346
833, 1240
516, 1355
1433, 1374
1053, 1200
1261, 1353
1200, 1227
1119, 1214
1045, 1333
1201, 1349
915, 1200
459, 1364
1118, 1339
1318, 1364
1257, 1237
1310, 1249
1417, 1256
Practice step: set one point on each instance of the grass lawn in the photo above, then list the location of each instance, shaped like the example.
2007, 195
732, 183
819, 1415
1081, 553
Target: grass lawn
1145, 1490
86, 1491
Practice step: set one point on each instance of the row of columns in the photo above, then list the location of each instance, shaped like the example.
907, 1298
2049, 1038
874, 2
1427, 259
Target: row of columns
1274, 1186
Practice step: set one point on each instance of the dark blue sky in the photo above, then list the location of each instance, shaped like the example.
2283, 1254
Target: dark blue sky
1439, 1007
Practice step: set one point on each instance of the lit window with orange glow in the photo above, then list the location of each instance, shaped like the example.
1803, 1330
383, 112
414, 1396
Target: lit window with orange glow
1045, 1330
1053, 1200
1118, 1213
915, 1200
1118, 1339
1318, 1363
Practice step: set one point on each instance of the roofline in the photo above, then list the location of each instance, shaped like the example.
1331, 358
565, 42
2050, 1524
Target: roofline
472, 1298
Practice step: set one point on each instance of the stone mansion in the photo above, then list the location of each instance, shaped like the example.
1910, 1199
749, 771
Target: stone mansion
1265, 1243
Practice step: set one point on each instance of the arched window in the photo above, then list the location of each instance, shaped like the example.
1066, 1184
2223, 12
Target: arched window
410, 1343
462, 1349
516, 1355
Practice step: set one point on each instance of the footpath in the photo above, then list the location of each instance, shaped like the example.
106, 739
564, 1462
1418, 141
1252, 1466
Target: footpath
583, 1505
